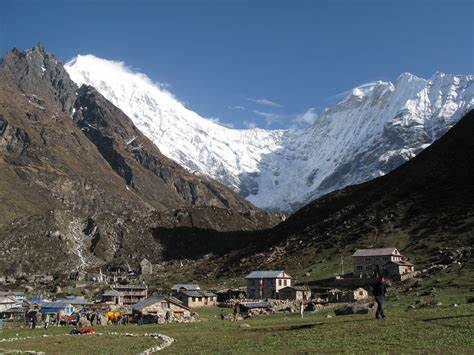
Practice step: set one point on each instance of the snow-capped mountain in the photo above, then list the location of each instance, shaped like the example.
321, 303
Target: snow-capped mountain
376, 128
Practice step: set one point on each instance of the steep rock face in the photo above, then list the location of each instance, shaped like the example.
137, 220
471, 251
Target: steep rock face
375, 129
158, 180
36, 70
77, 191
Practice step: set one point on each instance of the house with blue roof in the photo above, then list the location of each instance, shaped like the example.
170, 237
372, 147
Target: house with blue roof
266, 283
61, 307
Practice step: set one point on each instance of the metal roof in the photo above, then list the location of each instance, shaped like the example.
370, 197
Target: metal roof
297, 288
112, 293
74, 300
403, 263
54, 304
267, 274
197, 293
188, 287
12, 293
7, 300
15, 310
375, 252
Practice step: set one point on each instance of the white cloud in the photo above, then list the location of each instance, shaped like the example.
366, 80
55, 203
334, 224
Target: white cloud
269, 117
265, 102
250, 124
307, 118
237, 107
216, 120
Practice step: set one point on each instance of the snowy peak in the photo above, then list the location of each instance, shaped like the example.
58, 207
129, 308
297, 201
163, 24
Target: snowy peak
373, 130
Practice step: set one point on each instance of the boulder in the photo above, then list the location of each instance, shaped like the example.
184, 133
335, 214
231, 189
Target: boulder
83, 323
244, 325
354, 308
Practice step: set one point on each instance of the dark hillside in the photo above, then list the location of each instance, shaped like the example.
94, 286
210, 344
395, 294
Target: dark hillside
424, 205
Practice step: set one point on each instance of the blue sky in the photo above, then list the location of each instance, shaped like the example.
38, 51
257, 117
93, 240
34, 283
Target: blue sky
263, 63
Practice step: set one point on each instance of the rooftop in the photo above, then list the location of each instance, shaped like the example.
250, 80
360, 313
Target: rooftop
11, 293
249, 305
376, 252
267, 274
56, 304
4, 300
189, 287
130, 287
297, 288
156, 298
403, 263
112, 293
197, 293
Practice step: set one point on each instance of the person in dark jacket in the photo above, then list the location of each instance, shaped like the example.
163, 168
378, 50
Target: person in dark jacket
379, 290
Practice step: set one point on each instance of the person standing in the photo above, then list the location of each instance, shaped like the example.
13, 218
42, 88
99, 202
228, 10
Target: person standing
379, 291
46, 321
33, 321
302, 310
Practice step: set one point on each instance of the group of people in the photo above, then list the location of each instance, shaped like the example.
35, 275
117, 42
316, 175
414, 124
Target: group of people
35, 318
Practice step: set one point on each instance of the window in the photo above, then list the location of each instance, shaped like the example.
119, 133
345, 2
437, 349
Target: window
359, 267
279, 282
284, 282
194, 299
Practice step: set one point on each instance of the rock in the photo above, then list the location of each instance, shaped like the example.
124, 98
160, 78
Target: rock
352, 309
314, 307
307, 274
83, 323
57, 289
328, 316
244, 325
455, 305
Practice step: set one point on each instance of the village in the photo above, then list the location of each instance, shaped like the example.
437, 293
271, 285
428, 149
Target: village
118, 301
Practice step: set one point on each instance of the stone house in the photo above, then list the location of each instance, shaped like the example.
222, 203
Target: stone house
159, 309
336, 295
301, 293
175, 289
266, 284
386, 261
231, 294
197, 298
112, 297
6, 303
132, 294
17, 296
400, 270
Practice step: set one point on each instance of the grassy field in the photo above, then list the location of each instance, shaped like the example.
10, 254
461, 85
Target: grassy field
445, 329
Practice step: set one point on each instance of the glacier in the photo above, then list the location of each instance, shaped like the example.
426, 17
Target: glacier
374, 129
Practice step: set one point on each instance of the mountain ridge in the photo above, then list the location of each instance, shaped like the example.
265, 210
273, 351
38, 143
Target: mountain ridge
77, 191
374, 129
